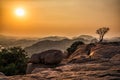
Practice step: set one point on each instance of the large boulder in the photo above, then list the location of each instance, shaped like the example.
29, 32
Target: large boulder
47, 57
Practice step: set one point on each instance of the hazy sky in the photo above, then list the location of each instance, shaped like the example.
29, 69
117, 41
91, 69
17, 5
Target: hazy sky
59, 17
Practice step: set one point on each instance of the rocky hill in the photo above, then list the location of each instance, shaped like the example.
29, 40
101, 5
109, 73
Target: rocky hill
100, 61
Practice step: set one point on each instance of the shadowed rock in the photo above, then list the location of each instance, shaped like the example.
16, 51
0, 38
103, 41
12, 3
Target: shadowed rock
47, 57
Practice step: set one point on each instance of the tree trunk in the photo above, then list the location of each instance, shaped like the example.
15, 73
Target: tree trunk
101, 38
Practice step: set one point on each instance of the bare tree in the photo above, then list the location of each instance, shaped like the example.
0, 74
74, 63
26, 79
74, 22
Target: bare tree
101, 32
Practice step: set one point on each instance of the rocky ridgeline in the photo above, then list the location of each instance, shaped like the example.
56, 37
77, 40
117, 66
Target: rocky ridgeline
89, 62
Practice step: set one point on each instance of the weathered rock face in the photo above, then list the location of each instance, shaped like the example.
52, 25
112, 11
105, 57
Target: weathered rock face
47, 57
104, 51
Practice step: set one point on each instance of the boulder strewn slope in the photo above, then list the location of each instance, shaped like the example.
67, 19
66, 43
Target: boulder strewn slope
87, 67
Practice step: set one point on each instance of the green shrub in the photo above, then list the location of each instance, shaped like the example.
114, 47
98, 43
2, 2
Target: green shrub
13, 61
73, 47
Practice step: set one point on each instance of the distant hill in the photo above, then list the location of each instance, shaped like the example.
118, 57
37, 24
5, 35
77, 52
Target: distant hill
57, 43
114, 39
52, 42
8, 41
24, 42
52, 38
48, 44
85, 38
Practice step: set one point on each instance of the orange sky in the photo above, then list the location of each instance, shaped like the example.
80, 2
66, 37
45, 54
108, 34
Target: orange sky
59, 17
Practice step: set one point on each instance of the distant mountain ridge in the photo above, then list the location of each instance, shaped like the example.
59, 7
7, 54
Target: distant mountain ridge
37, 45
52, 38
60, 44
114, 39
8, 41
48, 44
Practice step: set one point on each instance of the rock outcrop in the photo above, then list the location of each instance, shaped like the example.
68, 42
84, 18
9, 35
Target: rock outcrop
103, 63
81, 54
104, 51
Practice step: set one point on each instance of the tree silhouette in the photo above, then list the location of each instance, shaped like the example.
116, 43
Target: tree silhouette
101, 32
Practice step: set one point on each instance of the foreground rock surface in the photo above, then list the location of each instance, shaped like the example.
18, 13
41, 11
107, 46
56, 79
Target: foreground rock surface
94, 70
87, 67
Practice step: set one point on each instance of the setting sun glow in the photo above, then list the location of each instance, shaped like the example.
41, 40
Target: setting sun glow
69, 18
20, 12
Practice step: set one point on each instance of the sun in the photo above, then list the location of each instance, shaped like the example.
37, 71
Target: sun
20, 12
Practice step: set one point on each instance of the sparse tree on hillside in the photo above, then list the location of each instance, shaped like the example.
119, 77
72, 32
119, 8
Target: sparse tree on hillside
101, 32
